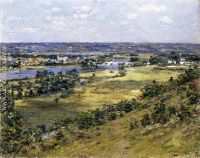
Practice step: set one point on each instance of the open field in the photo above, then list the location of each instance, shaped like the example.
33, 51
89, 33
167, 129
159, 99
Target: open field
102, 89
116, 140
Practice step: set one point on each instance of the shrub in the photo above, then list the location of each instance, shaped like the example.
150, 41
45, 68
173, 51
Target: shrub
99, 117
85, 120
112, 116
152, 90
146, 120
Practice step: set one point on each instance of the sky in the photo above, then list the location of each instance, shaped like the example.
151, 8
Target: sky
100, 21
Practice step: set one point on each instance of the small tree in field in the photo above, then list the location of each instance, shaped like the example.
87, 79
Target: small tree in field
122, 70
153, 89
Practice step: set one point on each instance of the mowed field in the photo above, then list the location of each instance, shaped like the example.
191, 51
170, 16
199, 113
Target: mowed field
102, 89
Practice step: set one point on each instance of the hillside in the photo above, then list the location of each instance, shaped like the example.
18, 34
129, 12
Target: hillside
162, 122
162, 126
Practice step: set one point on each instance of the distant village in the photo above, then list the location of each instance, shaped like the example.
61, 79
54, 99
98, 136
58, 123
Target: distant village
101, 59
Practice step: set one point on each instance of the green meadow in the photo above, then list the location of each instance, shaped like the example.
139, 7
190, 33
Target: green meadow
104, 88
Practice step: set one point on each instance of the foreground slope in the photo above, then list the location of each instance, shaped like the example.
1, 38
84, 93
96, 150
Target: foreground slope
174, 131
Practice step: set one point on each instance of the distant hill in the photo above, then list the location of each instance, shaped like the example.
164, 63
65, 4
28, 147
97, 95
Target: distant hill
51, 48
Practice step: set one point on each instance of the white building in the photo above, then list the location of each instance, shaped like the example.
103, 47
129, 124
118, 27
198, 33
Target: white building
63, 59
182, 61
171, 61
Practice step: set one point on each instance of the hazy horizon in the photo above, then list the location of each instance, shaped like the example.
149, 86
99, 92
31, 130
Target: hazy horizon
100, 21
99, 42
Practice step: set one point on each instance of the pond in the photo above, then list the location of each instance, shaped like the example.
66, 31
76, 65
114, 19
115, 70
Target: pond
31, 73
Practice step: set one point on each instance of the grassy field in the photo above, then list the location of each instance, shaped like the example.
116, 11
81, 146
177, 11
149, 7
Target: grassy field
115, 140
104, 88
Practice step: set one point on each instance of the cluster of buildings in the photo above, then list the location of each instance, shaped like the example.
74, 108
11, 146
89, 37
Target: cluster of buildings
34, 60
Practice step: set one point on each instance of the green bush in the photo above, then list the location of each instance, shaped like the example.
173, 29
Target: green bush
153, 89
85, 120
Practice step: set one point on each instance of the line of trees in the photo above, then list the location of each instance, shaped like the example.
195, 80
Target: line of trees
46, 83
89, 119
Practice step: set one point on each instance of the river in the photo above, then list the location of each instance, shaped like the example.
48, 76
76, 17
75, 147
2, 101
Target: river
31, 73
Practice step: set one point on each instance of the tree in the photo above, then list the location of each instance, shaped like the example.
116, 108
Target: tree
56, 100
11, 125
174, 56
6, 101
153, 89
121, 69
89, 64
99, 116
158, 60
85, 120
134, 59
190, 74
126, 106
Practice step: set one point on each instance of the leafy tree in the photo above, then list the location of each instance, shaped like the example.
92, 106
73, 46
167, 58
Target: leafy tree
134, 59
153, 89
174, 56
89, 64
85, 120
6, 101
153, 60
126, 106
121, 69
190, 74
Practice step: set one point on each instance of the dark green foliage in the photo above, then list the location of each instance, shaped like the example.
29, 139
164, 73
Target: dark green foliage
174, 56
6, 101
59, 135
99, 117
193, 96
185, 83
158, 60
122, 70
160, 114
89, 64
47, 85
127, 106
134, 59
112, 116
11, 132
184, 112
152, 90
189, 75
85, 120
146, 120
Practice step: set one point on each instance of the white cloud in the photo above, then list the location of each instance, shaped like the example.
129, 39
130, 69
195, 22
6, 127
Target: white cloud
6, 1
55, 9
82, 12
121, 20
166, 20
29, 29
82, 9
132, 16
152, 8
85, 8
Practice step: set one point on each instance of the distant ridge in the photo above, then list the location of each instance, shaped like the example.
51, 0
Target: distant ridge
81, 47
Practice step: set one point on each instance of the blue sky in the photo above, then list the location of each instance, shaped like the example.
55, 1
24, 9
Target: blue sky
100, 21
